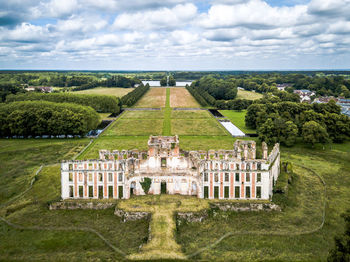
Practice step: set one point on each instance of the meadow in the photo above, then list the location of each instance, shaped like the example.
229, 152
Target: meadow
250, 95
180, 97
112, 91
154, 98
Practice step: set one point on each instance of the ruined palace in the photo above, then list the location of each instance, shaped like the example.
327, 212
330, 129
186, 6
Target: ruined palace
221, 174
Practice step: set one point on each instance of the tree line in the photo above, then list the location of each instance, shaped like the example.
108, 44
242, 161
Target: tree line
101, 103
131, 98
283, 122
38, 118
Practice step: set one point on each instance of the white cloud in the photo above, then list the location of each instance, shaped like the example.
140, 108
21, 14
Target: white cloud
57, 8
157, 19
255, 14
81, 24
26, 33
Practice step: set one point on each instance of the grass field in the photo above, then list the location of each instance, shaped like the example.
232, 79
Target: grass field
238, 119
159, 114
155, 97
290, 240
119, 92
42, 238
197, 127
135, 127
190, 114
243, 94
180, 97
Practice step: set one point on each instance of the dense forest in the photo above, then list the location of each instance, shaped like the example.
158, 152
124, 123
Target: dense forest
39, 118
283, 122
101, 103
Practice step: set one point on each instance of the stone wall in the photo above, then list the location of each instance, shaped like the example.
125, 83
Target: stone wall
227, 206
79, 205
131, 216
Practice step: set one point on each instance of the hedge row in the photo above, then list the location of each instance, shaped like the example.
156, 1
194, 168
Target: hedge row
197, 96
101, 103
132, 97
38, 118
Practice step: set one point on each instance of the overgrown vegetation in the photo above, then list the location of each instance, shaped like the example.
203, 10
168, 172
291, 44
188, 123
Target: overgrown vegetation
146, 184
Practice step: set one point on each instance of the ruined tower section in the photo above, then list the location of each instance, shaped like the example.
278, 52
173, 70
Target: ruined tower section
163, 151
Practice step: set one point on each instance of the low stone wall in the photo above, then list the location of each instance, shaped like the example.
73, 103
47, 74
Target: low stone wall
80, 205
233, 206
193, 216
130, 216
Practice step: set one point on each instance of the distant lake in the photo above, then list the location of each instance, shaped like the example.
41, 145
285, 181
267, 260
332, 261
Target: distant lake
157, 83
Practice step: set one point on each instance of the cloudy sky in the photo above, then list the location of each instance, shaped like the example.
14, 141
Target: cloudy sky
175, 34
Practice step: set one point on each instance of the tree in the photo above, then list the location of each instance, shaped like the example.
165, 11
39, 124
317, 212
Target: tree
164, 81
341, 250
172, 81
289, 133
313, 133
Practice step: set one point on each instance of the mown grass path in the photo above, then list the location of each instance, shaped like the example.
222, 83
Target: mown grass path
167, 115
162, 244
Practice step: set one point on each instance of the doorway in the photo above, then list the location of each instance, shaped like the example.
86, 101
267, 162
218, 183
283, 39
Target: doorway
132, 188
163, 187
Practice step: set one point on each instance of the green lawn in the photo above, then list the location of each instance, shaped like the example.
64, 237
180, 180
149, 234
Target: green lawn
238, 119
197, 127
135, 127
243, 94
19, 159
158, 114
281, 236
167, 115
190, 114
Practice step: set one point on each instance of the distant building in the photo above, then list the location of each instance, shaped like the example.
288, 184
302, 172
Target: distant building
221, 174
324, 99
345, 106
305, 95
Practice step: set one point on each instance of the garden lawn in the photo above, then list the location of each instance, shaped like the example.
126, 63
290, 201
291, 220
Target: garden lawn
197, 127
190, 114
155, 97
158, 114
118, 92
180, 97
243, 94
238, 119
134, 127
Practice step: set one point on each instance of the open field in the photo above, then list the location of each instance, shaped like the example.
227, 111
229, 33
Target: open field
292, 237
159, 114
238, 119
180, 97
197, 127
155, 97
135, 127
190, 114
19, 159
42, 238
243, 94
112, 91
